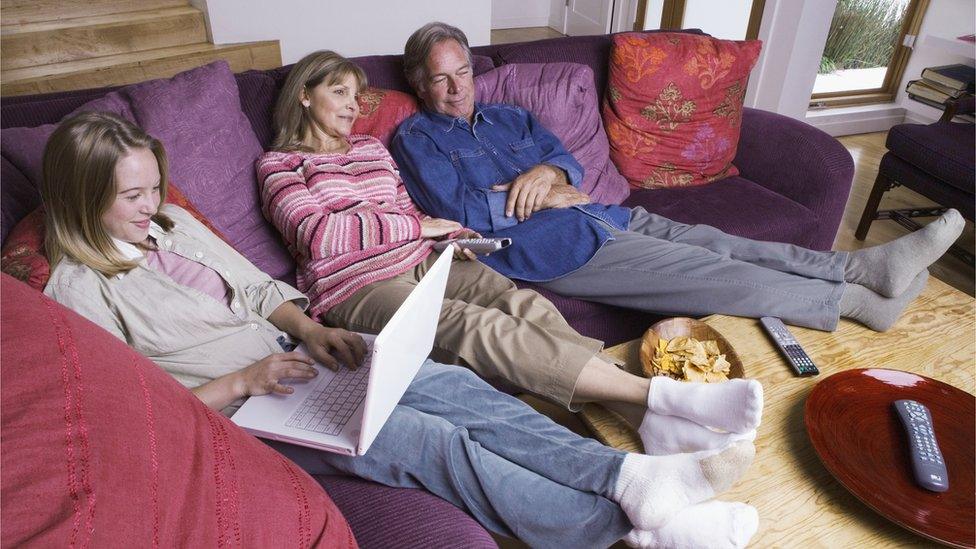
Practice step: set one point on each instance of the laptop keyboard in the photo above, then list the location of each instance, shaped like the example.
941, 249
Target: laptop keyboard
327, 409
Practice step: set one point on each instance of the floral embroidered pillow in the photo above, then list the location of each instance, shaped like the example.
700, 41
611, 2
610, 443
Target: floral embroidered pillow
381, 111
674, 106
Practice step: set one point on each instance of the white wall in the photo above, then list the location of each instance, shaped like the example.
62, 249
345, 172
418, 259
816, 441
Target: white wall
944, 19
727, 20
557, 15
794, 33
513, 14
366, 27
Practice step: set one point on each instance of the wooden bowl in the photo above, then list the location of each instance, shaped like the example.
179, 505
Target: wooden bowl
671, 328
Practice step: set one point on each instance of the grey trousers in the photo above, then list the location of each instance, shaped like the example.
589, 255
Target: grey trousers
663, 266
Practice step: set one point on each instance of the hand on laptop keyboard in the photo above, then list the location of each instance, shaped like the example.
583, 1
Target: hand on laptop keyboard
332, 346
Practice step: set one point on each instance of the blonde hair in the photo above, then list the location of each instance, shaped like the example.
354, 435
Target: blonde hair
79, 186
292, 121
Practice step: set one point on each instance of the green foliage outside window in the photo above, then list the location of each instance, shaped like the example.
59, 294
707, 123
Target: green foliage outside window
862, 34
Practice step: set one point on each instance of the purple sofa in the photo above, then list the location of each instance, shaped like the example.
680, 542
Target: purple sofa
793, 186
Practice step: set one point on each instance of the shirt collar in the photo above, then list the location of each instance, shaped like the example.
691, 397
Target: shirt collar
131, 251
448, 123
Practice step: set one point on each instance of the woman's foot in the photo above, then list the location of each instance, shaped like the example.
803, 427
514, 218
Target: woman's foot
666, 435
714, 524
875, 311
734, 405
889, 269
652, 489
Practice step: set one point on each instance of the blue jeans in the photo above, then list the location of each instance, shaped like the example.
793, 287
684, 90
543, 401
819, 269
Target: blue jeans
516, 471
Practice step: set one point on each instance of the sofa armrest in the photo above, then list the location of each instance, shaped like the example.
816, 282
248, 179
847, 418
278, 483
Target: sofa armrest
800, 162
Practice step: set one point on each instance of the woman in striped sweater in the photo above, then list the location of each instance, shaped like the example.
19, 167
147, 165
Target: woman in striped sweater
361, 245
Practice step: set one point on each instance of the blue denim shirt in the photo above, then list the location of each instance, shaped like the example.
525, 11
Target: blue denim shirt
449, 167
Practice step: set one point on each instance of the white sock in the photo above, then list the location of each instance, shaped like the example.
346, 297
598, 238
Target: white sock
666, 435
713, 524
734, 405
651, 489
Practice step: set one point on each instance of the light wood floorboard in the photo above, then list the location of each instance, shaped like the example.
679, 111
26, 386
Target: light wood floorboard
507, 36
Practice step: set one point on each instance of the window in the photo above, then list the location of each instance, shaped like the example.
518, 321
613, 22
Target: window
866, 51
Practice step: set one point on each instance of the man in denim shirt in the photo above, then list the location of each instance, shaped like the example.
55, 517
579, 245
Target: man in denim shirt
496, 170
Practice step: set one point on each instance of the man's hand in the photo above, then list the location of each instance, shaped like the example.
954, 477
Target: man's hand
527, 193
564, 196
330, 346
433, 227
263, 376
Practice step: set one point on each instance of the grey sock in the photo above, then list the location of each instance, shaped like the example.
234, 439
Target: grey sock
876, 311
888, 269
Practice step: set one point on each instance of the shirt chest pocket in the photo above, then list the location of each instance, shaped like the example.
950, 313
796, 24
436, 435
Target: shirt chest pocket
477, 167
526, 151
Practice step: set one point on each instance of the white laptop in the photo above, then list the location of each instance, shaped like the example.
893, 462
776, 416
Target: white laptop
343, 411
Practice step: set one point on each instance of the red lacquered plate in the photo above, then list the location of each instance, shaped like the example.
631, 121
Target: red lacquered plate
858, 437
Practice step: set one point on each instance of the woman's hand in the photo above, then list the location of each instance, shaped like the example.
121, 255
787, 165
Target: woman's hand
263, 376
464, 255
433, 227
326, 345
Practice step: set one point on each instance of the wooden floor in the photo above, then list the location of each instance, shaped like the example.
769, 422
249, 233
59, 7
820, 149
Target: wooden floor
507, 36
867, 150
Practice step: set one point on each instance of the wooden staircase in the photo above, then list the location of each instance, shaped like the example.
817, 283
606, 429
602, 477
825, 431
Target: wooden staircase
59, 45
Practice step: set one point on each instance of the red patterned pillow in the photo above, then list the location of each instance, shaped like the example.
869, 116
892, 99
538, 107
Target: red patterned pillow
23, 256
674, 106
381, 111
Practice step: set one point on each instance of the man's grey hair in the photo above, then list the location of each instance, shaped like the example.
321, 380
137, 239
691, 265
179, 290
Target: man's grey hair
418, 48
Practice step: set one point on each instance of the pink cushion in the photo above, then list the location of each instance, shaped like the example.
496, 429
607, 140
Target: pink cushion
674, 106
103, 448
563, 98
212, 148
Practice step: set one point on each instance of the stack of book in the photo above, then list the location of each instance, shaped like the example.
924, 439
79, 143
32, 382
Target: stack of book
942, 83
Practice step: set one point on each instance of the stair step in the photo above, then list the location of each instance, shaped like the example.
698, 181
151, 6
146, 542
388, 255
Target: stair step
19, 12
47, 42
116, 70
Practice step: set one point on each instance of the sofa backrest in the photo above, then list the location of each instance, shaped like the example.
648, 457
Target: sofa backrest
259, 89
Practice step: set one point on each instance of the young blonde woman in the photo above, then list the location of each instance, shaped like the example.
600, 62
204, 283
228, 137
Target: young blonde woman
361, 245
167, 286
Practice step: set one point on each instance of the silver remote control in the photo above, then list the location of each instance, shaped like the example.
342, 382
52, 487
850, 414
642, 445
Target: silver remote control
927, 463
798, 358
479, 246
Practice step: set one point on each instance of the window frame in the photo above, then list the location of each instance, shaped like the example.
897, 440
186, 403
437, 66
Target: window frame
889, 89
673, 14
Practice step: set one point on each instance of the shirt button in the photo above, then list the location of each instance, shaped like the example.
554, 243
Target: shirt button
235, 305
254, 326
168, 243
227, 274
198, 255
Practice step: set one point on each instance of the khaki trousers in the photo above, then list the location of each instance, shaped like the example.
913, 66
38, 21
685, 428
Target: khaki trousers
486, 324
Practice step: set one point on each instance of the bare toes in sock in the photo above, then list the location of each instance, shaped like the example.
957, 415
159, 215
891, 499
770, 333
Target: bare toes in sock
666, 435
734, 405
889, 269
713, 524
875, 311
652, 489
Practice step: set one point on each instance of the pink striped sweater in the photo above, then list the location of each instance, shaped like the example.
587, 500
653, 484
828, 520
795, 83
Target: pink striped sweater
346, 218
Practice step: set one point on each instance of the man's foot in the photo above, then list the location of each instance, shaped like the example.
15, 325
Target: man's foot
734, 405
666, 435
875, 311
652, 489
889, 269
713, 524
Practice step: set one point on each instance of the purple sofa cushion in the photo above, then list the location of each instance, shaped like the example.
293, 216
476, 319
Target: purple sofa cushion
946, 150
563, 99
737, 206
400, 517
24, 147
211, 149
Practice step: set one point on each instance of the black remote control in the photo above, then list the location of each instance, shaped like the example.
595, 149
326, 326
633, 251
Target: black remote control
479, 246
798, 358
927, 463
